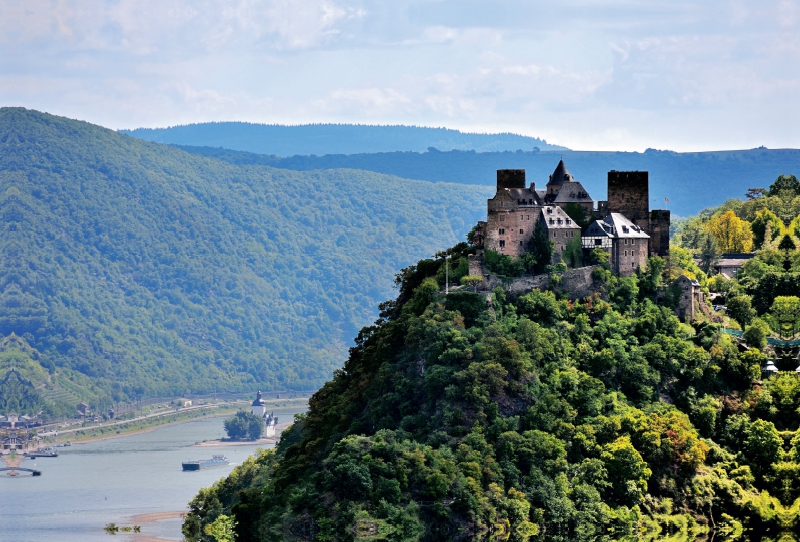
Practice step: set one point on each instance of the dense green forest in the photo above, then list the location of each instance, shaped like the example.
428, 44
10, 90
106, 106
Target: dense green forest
333, 138
690, 181
130, 268
538, 417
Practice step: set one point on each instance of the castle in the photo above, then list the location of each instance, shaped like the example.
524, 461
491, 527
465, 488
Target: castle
624, 224
259, 408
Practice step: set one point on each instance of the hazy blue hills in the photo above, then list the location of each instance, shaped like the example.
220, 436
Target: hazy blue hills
323, 139
130, 268
691, 181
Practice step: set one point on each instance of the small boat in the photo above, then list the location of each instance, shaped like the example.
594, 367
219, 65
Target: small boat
216, 461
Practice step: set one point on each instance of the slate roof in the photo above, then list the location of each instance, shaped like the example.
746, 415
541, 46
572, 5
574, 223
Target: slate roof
561, 174
615, 225
574, 192
560, 219
525, 195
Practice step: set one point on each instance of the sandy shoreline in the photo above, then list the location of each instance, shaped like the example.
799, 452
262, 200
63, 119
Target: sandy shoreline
144, 519
267, 440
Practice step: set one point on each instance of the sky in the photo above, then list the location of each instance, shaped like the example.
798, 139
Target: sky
594, 75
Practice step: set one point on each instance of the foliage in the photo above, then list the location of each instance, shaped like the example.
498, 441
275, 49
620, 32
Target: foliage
573, 253
766, 226
531, 414
502, 264
756, 333
540, 248
730, 233
244, 424
222, 529
709, 255
131, 268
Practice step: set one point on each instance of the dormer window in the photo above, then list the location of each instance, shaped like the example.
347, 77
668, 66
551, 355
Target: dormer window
552, 221
569, 222
624, 229
549, 211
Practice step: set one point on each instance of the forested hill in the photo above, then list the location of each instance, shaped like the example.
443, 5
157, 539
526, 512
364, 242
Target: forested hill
690, 181
131, 268
334, 138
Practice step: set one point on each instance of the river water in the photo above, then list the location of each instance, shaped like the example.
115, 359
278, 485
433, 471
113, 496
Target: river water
90, 485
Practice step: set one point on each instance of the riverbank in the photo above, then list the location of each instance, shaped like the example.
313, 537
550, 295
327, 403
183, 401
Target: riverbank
144, 424
266, 440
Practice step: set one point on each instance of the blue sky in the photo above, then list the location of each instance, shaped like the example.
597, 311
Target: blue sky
610, 75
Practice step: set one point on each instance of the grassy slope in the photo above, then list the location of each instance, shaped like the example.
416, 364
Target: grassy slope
153, 270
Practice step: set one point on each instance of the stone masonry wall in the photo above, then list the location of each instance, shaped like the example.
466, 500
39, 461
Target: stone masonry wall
628, 194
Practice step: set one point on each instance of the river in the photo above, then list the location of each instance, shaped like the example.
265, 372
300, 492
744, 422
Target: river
107, 481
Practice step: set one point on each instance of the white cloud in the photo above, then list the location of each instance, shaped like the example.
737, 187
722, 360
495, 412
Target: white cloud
613, 74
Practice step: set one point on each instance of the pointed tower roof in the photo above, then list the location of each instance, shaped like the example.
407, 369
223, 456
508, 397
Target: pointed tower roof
561, 175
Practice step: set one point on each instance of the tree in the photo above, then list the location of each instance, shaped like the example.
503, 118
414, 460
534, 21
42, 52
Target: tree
541, 248
766, 227
573, 253
786, 311
708, 255
731, 233
739, 308
471, 281
222, 529
577, 213
756, 334
761, 446
244, 424
785, 184
627, 471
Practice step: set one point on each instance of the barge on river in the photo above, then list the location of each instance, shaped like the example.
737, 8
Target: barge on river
216, 461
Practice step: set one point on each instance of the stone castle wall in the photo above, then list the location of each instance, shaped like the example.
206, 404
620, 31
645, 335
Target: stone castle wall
628, 194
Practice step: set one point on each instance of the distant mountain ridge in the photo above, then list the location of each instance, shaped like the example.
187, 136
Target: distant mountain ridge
691, 181
130, 268
321, 139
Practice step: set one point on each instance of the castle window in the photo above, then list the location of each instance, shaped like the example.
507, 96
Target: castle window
633, 241
626, 253
527, 217
502, 244
555, 233
626, 241
520, 231
502, 231
521, 217
520, 243
502, 218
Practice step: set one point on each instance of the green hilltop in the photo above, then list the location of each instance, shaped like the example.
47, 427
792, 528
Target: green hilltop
130, 268
532, 415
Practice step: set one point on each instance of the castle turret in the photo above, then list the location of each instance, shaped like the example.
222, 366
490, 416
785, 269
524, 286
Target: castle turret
259, 407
